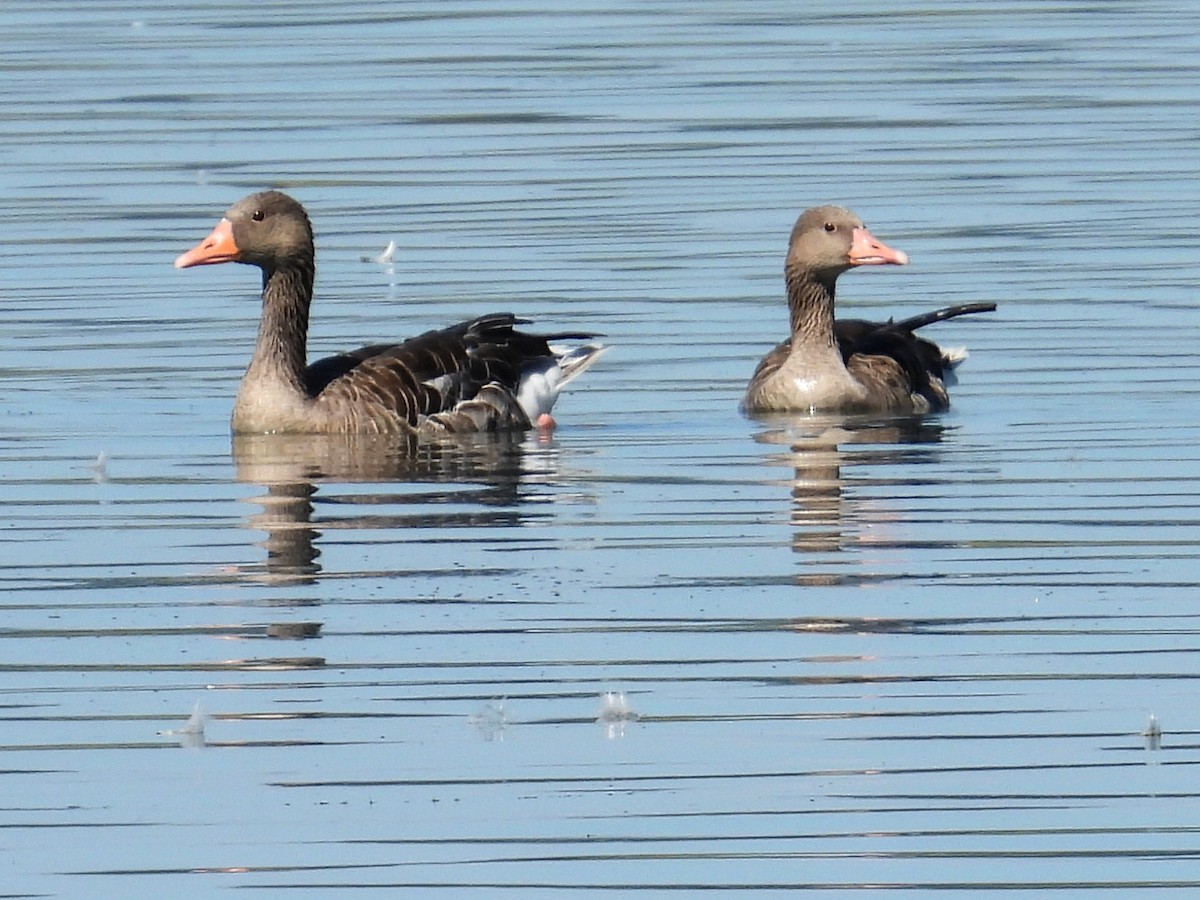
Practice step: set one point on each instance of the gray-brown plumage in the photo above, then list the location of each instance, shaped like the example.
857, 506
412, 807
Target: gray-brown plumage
848, 366
481, 375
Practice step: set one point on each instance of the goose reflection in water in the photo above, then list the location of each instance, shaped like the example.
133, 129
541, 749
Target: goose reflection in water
824, 517
481, 477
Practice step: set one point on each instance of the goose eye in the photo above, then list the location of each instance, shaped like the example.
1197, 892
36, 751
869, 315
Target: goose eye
829, 226
257, 215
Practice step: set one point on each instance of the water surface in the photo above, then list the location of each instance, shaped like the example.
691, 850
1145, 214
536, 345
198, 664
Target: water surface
673, 651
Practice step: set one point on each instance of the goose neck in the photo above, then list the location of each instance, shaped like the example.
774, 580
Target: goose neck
810, 303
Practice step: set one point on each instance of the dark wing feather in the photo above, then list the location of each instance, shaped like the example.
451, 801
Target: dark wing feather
771, 363
461, 378
886, 351
940, 315
854, 331
888, 377
892, 355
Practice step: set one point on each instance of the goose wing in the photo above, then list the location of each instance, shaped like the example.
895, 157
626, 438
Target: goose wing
891, 355
466, 377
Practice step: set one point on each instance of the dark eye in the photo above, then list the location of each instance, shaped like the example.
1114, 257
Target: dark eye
829, 226
258, 215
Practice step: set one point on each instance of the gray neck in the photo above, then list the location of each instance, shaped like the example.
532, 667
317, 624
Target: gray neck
810, 301
280, 354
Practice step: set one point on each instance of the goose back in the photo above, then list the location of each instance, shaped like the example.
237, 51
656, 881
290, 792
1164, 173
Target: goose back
466, 377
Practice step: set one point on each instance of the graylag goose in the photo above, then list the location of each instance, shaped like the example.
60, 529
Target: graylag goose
481, 375
850, 365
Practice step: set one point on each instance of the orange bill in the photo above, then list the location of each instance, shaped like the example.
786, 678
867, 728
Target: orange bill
218, 247
868, 250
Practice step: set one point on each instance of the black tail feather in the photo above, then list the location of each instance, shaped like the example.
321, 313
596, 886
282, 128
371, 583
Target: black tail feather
940, 315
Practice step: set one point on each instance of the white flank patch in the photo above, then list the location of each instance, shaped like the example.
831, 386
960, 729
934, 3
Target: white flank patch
541, 384
952, 356
539, 389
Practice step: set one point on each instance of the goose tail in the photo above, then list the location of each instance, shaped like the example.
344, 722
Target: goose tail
543, 381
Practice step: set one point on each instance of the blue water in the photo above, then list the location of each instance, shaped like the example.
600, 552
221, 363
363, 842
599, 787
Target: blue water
674, 651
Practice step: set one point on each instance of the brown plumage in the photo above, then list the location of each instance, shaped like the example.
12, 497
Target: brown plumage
848, 366
480, 375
